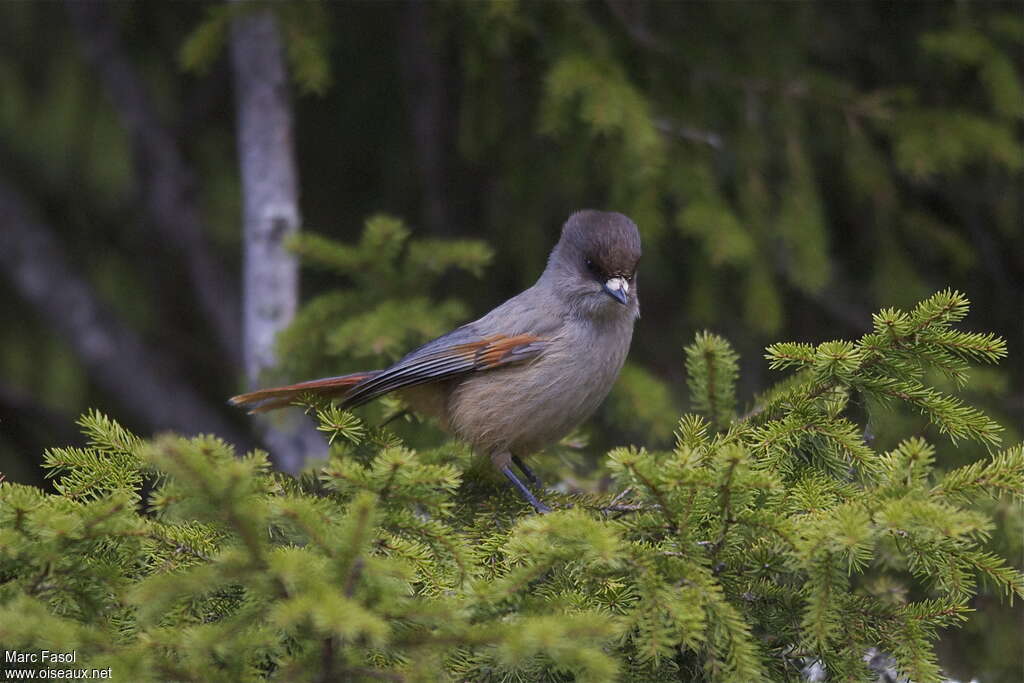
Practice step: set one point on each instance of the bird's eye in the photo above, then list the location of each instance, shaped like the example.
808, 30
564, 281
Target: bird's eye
591, 266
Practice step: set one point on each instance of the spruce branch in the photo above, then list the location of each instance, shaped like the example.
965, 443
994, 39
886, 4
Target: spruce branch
711, 367
743, 554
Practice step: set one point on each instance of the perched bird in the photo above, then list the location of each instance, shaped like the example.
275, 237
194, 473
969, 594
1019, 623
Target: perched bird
525, 374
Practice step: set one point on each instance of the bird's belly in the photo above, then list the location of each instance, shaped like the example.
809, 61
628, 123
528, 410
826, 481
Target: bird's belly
524, 408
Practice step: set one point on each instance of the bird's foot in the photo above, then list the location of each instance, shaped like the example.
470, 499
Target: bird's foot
527, 472
527, 495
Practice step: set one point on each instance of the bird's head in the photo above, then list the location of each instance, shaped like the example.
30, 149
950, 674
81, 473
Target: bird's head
595, 262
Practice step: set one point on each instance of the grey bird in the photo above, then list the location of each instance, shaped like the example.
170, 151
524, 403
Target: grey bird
524, 375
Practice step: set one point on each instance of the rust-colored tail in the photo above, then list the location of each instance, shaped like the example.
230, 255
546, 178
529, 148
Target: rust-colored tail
278, 397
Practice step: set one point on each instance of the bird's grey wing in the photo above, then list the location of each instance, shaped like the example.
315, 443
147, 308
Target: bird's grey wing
457, 353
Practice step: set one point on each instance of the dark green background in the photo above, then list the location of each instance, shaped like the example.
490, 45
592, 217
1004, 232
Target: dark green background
792, 166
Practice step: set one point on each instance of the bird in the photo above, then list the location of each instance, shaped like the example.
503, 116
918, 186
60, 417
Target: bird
525, 374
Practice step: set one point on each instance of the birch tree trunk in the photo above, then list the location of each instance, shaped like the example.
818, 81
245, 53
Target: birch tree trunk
271, 213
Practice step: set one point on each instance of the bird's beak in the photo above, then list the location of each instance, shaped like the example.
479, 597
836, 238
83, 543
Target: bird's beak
617, 288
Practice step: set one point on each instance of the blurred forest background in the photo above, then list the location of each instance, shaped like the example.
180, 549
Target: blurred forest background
793, 167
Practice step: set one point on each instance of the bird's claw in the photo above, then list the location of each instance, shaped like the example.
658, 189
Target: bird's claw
527, 495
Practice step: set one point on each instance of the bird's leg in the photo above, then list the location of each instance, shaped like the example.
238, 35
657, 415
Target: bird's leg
527, 472
503, 461
540, 507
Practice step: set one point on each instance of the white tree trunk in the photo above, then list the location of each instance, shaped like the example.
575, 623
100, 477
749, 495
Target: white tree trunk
271, 213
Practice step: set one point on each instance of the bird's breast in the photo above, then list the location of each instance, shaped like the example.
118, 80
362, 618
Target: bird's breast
525, 407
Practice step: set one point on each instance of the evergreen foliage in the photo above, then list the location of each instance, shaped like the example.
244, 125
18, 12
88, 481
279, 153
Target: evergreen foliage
303, 25
757, 545
388, 310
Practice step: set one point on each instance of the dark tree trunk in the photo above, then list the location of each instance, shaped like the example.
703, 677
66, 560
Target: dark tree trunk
425, 88
141, 378
167, 183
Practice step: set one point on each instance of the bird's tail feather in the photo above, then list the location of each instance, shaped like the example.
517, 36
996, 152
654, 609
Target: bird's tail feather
265, 400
